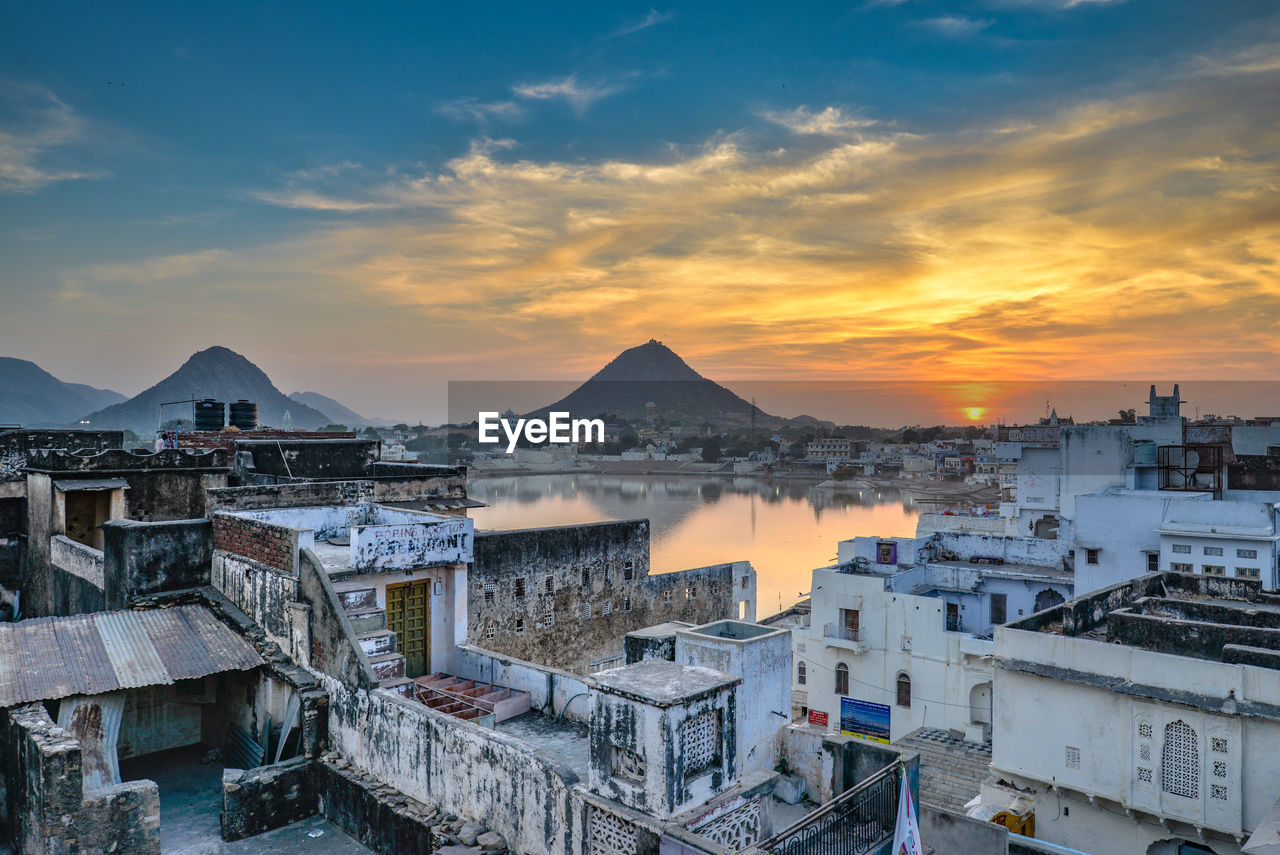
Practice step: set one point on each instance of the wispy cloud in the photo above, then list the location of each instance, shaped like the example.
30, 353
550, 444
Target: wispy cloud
957, 26
1054, 4
481, 111
38, 141
1115, 236
830, 121
652, 19
579, 95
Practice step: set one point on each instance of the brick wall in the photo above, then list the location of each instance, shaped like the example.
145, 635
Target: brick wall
274, 546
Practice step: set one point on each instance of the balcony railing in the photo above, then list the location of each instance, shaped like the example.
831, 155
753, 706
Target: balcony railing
834, 630
855, 822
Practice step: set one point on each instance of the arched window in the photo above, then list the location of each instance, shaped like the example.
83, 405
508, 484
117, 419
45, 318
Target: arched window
801, 673
904, 690
1180, 760
1047, 599
842, 679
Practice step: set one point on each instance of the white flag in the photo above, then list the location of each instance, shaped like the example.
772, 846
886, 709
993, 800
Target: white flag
906, 832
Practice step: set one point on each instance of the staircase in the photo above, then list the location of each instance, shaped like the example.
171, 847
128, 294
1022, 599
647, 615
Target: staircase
360, 603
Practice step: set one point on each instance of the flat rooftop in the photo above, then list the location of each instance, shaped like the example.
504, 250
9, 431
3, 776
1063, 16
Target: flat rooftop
1211, 618
663, 684
569, 742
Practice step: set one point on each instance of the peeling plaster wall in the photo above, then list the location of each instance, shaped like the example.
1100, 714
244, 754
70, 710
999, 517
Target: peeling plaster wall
147, 558
550, 689
471, 771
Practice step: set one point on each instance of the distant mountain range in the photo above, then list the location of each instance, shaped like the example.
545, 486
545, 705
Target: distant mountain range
31, 396
337, 412
213, 373
654, 373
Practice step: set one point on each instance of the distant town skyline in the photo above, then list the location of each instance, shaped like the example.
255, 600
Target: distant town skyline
370, 203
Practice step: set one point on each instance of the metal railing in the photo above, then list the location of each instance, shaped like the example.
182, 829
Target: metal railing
835, 630
854, 822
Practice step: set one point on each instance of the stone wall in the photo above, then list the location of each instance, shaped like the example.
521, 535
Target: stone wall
312, 458
387, 823
258, 800
149, 557
300, 495
565, 596
466, 769
47, 812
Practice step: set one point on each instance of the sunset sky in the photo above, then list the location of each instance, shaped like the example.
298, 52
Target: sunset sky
368, 200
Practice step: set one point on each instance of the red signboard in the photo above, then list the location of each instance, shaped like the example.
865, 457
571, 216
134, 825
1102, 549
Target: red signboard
817, 718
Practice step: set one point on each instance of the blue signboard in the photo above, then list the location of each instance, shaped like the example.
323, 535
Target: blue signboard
864, 720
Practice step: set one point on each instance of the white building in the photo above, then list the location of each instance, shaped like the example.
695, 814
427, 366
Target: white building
899, 632
1143, 719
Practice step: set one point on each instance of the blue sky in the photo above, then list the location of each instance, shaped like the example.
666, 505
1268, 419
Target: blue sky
415, 189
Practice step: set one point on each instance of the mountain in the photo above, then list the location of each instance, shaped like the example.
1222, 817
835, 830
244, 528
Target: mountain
654, 373
340, 414
214, 373
29, 395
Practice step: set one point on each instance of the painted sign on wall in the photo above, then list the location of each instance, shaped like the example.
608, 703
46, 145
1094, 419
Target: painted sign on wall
817, 718
864, 720
886, 552
408, 545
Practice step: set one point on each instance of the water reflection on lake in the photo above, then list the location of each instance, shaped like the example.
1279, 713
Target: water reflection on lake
784, 528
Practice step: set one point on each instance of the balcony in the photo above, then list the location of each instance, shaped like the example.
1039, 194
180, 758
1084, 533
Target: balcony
856, 822
844, 638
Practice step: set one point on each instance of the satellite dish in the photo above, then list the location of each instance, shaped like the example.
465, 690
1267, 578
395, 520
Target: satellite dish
1192, 459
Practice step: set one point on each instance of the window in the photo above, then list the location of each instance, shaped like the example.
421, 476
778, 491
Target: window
1246, 553
1178, 567
1182, 548
802, 673
586, 578
1153, 562
1213, 570
549, 585
691, 592
626, 604
586, 611
628, 570
549, 617
842, 679
666, 597
999, 608
489, 590
1180, 760
1091, 556
490, 630
519, 626
519, 587
700, 743
904, 690
1248, 573
1072, 757
1213, 550
607, 609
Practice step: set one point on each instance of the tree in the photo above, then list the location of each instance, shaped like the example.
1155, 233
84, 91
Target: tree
335, 428
402, 427
711, 450
370, 430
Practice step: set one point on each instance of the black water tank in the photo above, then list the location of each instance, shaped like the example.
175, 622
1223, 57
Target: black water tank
209, 414
244, 415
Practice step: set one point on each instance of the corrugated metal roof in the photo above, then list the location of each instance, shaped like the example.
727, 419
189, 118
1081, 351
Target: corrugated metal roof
65, 484
57, 657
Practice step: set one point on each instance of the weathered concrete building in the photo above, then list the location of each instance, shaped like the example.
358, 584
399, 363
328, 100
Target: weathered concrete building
1144, 717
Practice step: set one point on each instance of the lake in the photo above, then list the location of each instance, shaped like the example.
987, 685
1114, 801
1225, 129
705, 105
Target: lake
785, 528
